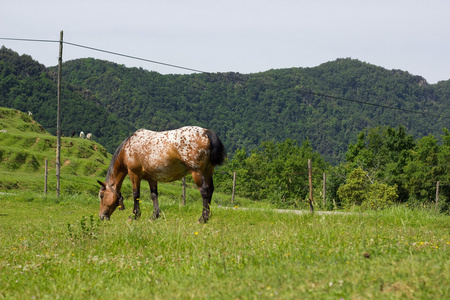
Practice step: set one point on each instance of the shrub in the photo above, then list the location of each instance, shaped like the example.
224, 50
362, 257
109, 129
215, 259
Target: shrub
359, 191
380, 196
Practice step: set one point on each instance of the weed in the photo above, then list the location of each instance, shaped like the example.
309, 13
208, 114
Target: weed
88, 228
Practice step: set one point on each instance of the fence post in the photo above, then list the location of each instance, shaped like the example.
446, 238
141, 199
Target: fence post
234, 186
437, 194
46, 176
310, 186
183, 195
324, 188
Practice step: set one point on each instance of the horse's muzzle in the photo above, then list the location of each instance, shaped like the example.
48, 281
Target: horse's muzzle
103, 217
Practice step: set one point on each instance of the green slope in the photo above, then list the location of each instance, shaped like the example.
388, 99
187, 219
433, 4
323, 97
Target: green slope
25, 146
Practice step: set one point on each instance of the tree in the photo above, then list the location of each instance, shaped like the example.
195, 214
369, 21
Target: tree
275, 172
429, 163
383, 153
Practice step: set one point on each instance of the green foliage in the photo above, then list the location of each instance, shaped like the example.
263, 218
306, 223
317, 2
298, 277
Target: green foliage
246, 110
355, 191
414, 166
429, 163
359, 191
112, 101
89, 229
380, 196
274, 171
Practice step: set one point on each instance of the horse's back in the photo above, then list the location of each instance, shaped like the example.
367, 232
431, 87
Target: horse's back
167, 155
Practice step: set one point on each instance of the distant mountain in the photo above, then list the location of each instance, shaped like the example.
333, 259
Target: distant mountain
112, 101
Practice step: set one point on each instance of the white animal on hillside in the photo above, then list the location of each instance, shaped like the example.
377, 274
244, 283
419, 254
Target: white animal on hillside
89, 136
82, 135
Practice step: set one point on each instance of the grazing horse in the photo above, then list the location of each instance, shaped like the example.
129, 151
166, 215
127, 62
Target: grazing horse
89, 136
162, 156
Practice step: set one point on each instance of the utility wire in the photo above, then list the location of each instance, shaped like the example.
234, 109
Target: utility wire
106, 51
29, 40
200, 71
367, 103
134, 57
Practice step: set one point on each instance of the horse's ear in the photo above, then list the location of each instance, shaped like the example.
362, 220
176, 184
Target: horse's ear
102, 184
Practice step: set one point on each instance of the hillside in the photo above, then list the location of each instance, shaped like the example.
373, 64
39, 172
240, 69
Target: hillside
112, 101
25, 145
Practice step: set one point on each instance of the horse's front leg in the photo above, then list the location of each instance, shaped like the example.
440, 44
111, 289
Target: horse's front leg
136, 183
154, 195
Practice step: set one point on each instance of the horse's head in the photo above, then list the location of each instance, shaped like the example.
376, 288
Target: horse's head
109, 201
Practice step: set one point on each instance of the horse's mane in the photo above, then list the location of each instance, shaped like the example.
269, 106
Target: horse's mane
114, 158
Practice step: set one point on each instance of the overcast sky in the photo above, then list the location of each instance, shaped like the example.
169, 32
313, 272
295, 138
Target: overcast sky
245, 36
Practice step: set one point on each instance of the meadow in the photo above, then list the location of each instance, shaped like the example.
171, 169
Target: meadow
57, 248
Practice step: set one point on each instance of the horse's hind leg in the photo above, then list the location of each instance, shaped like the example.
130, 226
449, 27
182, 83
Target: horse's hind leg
206, 188
154, 195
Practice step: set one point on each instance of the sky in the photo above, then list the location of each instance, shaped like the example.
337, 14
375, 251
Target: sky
245, 36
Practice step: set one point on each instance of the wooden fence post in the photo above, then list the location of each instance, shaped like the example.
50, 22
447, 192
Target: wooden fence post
183, 195
46, 176
234, 186
310, 186
324, 188
437, 193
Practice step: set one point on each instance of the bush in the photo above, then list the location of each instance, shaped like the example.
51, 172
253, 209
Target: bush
380, 196
359, 191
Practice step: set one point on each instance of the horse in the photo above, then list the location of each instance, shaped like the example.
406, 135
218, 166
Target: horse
82, 135
89, 136
162, 157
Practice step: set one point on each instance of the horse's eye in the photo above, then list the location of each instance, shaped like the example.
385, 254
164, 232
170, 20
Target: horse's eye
101, 196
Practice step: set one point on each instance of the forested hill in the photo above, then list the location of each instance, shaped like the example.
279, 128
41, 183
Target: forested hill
112, 101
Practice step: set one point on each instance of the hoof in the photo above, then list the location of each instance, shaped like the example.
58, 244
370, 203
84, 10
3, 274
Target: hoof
133, 217
202, 220
156, 214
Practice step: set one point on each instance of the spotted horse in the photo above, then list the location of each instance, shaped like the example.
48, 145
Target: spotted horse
165, 157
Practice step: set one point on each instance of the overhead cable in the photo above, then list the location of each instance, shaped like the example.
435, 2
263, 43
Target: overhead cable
200, 71
368, 103
106, 51
134, 57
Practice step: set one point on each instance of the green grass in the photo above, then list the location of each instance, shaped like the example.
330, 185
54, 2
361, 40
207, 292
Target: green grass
26, 145
55, 248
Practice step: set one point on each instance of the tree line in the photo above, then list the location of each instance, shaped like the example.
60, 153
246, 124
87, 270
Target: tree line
385, 166
112, 101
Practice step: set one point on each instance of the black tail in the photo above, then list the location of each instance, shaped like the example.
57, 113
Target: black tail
217, 149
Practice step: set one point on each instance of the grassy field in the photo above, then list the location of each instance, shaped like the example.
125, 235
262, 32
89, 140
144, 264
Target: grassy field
56, 248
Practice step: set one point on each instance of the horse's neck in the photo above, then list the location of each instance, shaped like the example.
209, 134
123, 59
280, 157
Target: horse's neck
116, 179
